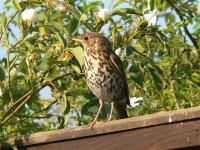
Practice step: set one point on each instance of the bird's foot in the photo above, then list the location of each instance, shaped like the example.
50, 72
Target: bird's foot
92, 124
109, 119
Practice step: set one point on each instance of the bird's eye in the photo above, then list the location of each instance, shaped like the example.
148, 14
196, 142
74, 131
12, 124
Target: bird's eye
86, 38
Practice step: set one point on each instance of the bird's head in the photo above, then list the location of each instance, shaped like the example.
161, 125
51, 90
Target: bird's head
92, 40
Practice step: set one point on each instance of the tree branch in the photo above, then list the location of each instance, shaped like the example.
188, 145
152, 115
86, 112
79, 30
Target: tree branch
193, 40
17, 107
11, 18
16, 103
32, 115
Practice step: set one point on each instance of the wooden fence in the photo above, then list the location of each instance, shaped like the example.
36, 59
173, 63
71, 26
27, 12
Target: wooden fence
178, 129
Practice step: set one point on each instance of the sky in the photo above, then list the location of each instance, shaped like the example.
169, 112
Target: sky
46, 91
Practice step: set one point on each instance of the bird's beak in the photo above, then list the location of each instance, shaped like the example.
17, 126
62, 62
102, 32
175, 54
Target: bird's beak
78, 39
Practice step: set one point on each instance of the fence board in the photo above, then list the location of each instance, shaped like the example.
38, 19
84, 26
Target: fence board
165, 130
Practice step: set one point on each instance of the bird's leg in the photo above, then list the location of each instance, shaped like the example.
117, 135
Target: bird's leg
111, 111
101, 102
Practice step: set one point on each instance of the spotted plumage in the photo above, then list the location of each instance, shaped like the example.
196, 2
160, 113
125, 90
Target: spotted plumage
104, 73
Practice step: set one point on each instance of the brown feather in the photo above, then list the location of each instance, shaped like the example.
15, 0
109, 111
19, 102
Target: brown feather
104, 73
116, 61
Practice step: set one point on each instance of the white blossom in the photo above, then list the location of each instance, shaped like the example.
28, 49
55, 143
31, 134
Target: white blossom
1, 92
104, 14
30, 15
152, 17
45, 121
134, 101
156, 57
62, 7
118, 51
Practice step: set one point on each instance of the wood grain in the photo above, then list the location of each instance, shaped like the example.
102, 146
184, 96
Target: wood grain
166, 130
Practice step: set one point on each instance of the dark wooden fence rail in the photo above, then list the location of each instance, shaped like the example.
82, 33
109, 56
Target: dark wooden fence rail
178, 129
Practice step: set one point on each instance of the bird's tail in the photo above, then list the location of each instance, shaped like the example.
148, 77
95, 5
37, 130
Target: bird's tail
120, 110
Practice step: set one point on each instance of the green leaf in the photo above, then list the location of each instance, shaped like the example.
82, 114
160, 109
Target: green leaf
41, 16
17, 5
2, 74
57, 25
78, 53
61, 40
196, 77
42, 30
21, 25
118, 3
61, 121
38, 51
83, 17
54, 72
105, 111
3, 20
6, 2
43, 66
89, 26
160, 71
56, 16
99, 26
65, 105
158, 83
4, 61
73, 25
124, 11
4, 23
152, 4
76, 68
129, 50
74, 11
95, 4
29, 45
90, 107
138, 47
136, 75
23, 67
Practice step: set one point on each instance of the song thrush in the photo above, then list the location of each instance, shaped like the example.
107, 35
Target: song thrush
104, 74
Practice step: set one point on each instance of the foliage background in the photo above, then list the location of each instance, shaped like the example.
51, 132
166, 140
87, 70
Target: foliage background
161, 62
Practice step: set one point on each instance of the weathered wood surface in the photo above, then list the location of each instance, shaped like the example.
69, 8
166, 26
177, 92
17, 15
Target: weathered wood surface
165, 130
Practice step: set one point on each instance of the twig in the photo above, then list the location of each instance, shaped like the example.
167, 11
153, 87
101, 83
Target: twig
32, 116
174, 95
11, 18
16, 103
61, 76
45, 108
54, 86
194, 41
13, 62
147, 41
8, 69
20, 40
32, 93
16, 110
12, 33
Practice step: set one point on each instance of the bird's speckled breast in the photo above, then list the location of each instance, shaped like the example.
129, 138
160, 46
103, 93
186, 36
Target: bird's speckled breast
102, 80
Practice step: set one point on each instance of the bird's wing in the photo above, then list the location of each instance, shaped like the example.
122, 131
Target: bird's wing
117, 64
116, 61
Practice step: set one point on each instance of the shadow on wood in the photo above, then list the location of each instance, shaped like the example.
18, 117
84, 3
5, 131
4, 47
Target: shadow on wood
178, 129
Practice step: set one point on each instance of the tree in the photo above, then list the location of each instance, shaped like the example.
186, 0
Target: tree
161, 62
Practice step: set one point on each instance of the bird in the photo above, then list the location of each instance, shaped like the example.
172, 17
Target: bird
104, 74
